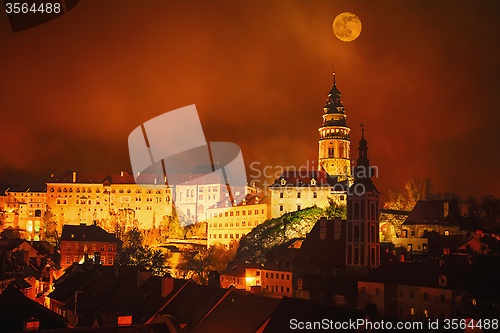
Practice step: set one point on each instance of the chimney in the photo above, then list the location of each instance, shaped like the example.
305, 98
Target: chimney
142, 276
74, 177
167, 285
31, 324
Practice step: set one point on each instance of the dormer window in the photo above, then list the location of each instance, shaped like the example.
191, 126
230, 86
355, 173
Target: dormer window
313, 181
442, 281
283, 181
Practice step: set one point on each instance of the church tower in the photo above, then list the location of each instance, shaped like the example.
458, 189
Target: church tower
334, 143
363, 243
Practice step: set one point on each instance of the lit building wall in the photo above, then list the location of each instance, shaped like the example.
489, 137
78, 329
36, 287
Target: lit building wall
228, 224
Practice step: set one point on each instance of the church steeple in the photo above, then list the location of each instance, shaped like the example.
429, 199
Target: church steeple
363, 248
363, 172
334, 143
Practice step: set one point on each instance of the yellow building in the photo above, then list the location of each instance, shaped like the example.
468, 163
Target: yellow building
296, 190
76, 198
228, 223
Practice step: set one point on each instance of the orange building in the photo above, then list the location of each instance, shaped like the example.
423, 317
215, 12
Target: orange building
242, 276
24, 211
81, 241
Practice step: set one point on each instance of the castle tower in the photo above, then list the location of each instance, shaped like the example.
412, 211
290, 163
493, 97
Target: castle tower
363, 243
334, 143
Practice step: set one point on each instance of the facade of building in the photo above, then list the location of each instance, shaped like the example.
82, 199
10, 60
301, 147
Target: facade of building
242, 276
79, 242
24, 211
277, 275
294, 191
228, 223
75, 198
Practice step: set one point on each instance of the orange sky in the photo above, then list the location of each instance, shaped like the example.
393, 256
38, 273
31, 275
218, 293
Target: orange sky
423, 78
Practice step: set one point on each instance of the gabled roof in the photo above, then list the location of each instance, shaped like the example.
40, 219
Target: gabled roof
327, 252
283, 261
243, 200
238, 312
89, 233
238, 269
432, 212
127, 297
308, 311
193, 303
15, 308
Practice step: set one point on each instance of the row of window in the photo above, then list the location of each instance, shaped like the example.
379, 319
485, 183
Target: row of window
83, 190
235, 224
76, 247
278, 275
237, 213
278, 289
104, 259
299, 195
237, 236
282, 208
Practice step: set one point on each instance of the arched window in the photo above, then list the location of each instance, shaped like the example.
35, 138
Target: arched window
356, 255
356, 233
305, 271
37, 226
372, 210
38, 213
321, 271
201, 208
356, 210
337, 272
372, 233
192, 193
373, 256
29, 226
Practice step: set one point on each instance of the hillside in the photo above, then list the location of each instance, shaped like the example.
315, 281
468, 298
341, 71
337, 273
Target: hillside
263, 239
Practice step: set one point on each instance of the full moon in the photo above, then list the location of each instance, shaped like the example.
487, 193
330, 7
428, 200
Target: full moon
347, 27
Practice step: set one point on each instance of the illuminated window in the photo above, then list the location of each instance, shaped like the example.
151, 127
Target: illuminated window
447, 232
412, 311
